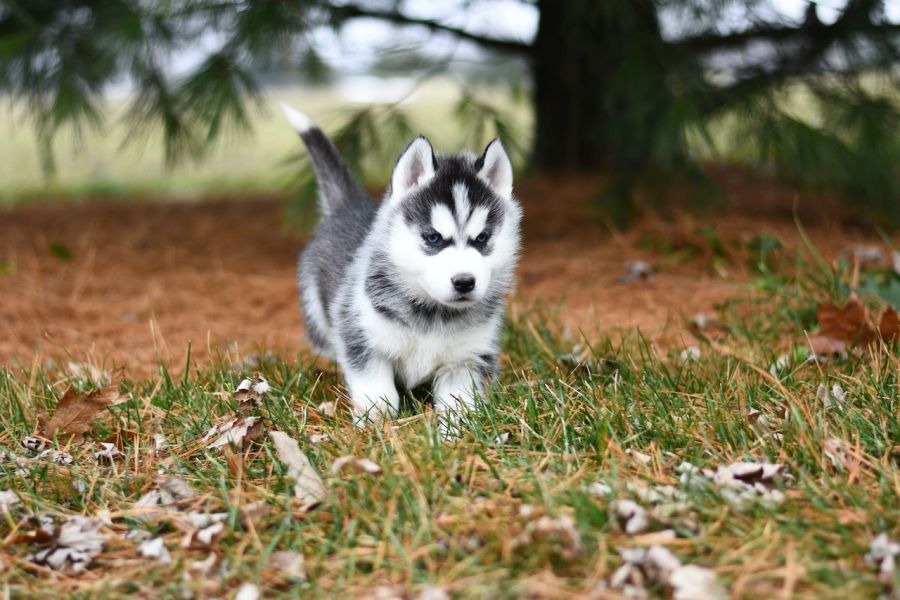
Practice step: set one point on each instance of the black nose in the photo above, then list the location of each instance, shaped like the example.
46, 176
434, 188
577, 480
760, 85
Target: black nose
464, 283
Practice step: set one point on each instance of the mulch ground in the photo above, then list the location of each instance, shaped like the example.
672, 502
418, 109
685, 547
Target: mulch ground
117, 284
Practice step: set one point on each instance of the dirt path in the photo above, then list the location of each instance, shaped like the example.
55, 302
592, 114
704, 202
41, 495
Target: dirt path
132, 284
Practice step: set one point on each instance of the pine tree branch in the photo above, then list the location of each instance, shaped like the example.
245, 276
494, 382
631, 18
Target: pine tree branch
806, 58
708, 42
351, 11
855, 19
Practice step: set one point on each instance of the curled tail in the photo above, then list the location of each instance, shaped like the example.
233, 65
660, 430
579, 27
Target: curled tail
336, 185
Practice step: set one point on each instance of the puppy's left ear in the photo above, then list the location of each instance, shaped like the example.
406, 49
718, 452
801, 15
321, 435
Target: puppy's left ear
496, 170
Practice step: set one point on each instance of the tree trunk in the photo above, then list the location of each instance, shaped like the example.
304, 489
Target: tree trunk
600, 85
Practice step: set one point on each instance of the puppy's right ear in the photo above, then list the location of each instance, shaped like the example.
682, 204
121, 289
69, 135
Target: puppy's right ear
415, 167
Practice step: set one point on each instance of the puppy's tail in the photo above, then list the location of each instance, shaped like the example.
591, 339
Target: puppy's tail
336, 185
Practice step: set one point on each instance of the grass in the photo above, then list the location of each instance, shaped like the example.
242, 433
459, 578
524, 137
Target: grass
456, 516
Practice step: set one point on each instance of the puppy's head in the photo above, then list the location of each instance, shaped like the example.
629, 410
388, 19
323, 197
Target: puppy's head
455, 232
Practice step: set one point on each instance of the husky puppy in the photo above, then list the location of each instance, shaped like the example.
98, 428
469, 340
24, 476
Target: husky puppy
413, 288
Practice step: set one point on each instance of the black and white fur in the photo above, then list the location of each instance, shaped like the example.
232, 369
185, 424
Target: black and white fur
414, 287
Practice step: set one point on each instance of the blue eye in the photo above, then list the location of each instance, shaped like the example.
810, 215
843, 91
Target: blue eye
482, 237
432, 239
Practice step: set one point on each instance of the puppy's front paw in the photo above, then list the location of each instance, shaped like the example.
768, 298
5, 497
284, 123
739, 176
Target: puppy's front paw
450, 425
373, 395
371, 413
367, 411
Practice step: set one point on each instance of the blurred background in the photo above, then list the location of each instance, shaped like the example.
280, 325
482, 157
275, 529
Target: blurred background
616, 113
175, 97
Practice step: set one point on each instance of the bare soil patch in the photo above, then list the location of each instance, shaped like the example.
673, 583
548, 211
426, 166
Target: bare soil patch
132, 284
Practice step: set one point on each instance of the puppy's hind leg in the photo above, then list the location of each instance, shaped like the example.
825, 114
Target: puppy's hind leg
372, 391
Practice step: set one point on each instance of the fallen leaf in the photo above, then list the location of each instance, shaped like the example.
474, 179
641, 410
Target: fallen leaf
883, 552
159, 443
432, 593
701, 320
76, 542
691, 582
835, 398
202, 568
205, 536
636, 270
561, 530
599, 489
175, 489
8, 500
632, 516
866, 254
289, 564
889, 325
639, 456
835, 450
251, 513
761, 422
327, 409
108, 453
247, 591
645, 568
250, 393
155, 503
76, 411
848, 323
740, 483
236, 432
57, 457
201, 520
825, 347
382, 593
308, 486
360, 465
32, 443
88, 372
155, 548
689, 354
137, 535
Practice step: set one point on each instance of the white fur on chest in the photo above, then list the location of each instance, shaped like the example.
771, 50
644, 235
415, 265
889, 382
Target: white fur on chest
418, 356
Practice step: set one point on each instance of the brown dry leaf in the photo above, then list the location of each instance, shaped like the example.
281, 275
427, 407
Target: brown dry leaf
250, 393
234, 461
848, 323
889, 325
236, 432
108, 454
76, 411
308, 486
